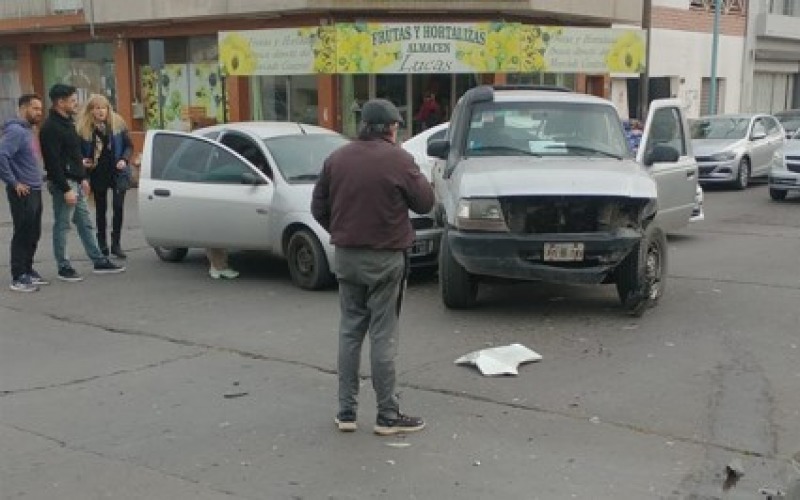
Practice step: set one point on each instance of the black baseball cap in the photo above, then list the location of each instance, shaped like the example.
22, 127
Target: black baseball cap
380, 112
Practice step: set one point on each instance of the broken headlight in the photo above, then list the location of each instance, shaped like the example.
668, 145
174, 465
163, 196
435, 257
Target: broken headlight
480, 214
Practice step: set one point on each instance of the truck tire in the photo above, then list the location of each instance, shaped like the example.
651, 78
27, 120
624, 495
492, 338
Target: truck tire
459, 288
640, 276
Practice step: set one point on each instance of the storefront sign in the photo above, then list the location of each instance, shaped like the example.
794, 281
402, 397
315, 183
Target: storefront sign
489, 47
582, 50
286, 51
427, 48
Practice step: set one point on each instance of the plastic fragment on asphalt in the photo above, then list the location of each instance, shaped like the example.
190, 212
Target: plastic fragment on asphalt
398, 445
503, 360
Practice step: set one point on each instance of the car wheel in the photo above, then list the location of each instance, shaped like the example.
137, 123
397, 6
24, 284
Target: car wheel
777, 194
640, 276
743, 175
308, 264
459, 288
171, 254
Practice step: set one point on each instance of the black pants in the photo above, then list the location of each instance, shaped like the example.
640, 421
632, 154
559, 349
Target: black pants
26, 213
101, 204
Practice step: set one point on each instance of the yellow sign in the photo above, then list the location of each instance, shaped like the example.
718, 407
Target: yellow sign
487, 47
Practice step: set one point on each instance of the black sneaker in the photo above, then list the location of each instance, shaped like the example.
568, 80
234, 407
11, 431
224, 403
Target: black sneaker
69, 274
37, 279
346, 421
403, 423
117, 251
107, 267
23, 284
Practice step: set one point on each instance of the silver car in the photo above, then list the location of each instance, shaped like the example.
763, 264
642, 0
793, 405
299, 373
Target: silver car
785, 174
732, 149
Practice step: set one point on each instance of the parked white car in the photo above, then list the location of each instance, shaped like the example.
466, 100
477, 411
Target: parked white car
247, 186
785, 174
732, 149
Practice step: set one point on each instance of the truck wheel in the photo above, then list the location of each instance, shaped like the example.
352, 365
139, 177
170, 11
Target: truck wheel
308, 264
170, 254
458, 287
777, 194
640, 276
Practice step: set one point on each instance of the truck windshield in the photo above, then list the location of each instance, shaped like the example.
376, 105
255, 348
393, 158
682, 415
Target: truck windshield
545, 129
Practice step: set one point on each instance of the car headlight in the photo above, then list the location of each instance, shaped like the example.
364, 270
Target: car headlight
480, 214
724, 156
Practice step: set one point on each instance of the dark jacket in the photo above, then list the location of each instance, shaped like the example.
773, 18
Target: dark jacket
121, 146
364, 193
61, 150
19, 161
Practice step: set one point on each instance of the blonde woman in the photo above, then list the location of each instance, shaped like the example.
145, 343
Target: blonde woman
107, 149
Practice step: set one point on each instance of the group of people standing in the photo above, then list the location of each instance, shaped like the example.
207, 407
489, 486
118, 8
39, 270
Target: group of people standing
90, 155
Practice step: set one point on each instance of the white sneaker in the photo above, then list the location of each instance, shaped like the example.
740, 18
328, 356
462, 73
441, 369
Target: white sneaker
226, 273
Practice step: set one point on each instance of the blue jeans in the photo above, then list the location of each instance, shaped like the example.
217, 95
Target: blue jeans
80, 216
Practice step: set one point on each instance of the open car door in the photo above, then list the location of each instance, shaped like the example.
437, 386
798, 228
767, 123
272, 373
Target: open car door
665, 151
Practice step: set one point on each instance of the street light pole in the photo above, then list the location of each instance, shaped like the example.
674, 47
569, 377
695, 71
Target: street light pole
712, 94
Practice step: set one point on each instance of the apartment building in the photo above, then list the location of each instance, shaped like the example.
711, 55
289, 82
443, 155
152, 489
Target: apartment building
771, 73
185, 64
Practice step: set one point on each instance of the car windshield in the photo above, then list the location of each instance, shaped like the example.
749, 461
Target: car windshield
300, 157
790, 121
720, 128
545, 129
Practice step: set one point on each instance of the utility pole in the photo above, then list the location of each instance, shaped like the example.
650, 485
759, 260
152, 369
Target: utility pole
712, 94
644, 77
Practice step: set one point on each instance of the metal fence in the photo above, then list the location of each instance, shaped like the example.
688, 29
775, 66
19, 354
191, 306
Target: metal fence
13, 9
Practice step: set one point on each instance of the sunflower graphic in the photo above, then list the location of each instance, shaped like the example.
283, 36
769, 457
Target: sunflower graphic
627, 55
236, 56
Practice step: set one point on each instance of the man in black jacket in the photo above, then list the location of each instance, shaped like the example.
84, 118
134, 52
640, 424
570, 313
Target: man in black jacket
68, 184
362, 199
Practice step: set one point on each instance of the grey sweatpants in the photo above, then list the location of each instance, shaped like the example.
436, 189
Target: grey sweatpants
369, 286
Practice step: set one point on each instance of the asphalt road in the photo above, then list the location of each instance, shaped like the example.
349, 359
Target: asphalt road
161, 383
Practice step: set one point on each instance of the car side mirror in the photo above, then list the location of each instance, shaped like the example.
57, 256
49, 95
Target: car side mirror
661, 153
757, 136
439, 148
252, 179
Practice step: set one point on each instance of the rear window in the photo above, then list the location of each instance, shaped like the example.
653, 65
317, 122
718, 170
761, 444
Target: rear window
300, 157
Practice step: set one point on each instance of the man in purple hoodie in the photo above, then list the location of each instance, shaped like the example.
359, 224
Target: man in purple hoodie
21, 171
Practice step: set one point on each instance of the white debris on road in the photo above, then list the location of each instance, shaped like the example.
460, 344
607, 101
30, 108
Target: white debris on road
503, 360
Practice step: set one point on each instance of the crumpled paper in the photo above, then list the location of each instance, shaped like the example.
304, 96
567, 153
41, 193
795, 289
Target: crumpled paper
503, 360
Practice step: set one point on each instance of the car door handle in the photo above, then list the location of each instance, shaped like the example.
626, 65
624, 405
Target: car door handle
161, 192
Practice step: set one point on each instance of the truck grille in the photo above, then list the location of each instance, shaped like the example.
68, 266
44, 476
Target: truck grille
570, 214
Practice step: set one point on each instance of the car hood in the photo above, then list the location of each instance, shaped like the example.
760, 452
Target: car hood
708, 147
522, 176
792, 148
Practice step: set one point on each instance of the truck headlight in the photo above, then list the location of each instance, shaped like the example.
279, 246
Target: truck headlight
724, 156
480, 214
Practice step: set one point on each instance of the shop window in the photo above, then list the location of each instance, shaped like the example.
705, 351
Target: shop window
89, 67
285, 98
9, 83
190, 85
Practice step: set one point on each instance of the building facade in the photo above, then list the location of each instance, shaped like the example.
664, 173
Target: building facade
681, 44
771, 77
181, 65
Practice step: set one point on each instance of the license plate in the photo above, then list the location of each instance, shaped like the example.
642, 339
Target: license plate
563, 252
421, 248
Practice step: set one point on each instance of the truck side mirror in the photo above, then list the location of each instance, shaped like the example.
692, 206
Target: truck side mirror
661, 153
439, 148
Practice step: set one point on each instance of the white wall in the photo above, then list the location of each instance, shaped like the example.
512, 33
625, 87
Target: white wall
687, 56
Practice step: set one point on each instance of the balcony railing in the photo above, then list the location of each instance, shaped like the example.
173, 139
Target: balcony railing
15, 9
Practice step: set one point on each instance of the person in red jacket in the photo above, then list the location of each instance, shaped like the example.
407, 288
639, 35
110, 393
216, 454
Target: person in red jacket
362, 199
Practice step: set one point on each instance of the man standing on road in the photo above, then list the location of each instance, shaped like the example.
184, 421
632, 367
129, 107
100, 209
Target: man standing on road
362, 199
21, 171
68, 184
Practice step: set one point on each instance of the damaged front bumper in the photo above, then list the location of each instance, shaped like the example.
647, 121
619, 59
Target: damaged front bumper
522, 256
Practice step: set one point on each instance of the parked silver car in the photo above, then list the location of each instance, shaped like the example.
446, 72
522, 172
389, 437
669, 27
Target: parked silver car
244, 186
732, 149
785, 174
790, 121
